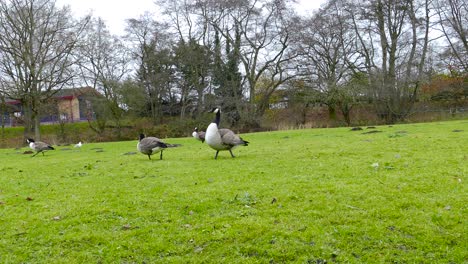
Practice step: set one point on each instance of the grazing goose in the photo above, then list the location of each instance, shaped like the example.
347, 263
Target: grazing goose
150, 146
222, 139
38, 146
198, 135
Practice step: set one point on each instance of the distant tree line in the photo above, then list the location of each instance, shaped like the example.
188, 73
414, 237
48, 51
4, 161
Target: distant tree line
242, 55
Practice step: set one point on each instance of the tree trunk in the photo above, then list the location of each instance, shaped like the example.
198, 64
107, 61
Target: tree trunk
28, 126
200, 103
346, 111
3, 119
262, 106
37, 125
332, 112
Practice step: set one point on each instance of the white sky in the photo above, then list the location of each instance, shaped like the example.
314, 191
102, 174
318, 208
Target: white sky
115, 12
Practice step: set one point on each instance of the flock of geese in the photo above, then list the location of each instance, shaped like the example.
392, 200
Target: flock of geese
219, 139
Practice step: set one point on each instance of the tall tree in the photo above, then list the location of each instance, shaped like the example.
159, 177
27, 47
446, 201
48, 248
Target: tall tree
330, 58
227, 78
398, 30
193, 52
154, 61
104, 64
395, 65
36, 44
193, 62
264, 27
453, 21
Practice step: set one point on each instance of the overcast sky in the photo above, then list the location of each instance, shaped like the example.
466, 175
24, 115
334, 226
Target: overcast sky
115, 12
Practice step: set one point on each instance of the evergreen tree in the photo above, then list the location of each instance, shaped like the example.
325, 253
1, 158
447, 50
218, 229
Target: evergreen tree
227, 78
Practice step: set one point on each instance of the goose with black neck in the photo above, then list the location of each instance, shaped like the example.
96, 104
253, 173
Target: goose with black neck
222, 139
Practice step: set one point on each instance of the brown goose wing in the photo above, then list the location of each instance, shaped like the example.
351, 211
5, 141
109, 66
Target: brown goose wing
229, 138
149, 143
201, 135
42, 146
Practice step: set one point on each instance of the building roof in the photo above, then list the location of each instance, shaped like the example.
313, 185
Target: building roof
69, 93
64, 94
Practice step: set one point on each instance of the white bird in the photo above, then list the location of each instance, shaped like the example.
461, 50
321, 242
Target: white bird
198, 135
78, 145
150, 146
222, 139
38, 146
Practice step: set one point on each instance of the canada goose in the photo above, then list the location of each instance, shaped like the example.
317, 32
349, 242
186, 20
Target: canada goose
222, 139
198, 135
150, 146
38, 146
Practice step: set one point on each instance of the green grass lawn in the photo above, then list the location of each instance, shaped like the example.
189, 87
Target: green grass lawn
302, 196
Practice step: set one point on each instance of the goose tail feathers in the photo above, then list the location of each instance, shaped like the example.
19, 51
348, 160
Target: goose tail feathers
244, 142
162, 144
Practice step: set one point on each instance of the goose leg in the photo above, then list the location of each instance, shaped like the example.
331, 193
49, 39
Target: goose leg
232, 155
35, 154
160, 156
149, 156
216, 156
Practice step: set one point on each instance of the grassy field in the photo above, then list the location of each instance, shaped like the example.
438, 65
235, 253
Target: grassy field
392, 194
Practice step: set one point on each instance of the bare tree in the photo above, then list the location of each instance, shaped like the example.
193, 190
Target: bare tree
36, 44
395, 66
151, 46
104, 63
398, 28
453, 21
330, 58
264, 26
2, 111
193, 54
181, 19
